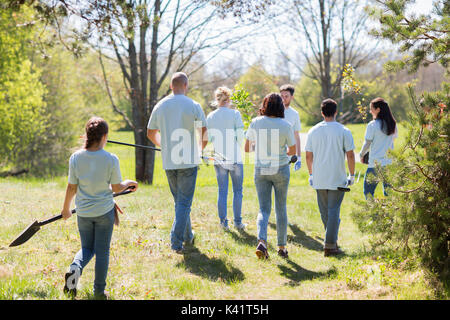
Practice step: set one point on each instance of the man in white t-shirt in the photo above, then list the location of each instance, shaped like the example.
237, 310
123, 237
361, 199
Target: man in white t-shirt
291, 116
327, 146
172, 126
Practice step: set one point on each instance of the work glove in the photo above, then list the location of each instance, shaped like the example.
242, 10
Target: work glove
310, 180
350, 180
298, 164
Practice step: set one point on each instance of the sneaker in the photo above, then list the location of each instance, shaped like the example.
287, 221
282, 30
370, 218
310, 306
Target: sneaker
283, 253
261, 251
225, 227
179, 251
332, 252
101, 296
71, 281
191, 242
241, 226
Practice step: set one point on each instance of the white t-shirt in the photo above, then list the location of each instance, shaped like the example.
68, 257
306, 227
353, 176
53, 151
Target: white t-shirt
271, 136
177, 117
225, 131
380, 143
93, 172
291, 116
329, 141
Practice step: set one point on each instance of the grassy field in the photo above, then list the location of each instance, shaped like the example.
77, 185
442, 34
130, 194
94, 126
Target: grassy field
221, 265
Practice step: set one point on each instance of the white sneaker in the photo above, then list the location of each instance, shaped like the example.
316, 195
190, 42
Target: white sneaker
224, 227
71, 280
241, 226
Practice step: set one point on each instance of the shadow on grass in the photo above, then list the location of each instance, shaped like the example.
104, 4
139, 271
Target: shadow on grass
213, 269
243, 237
297, 274
301, 238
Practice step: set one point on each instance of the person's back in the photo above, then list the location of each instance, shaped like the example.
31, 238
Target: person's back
378, 139
329, 141
93, 172
223, 125
172, 126
271, 136
381, 143
327, 145
176, 117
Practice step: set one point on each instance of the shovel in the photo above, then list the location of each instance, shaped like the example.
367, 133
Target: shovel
35, 226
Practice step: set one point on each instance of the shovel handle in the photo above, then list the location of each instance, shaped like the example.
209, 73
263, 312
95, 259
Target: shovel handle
59, 216
52, 219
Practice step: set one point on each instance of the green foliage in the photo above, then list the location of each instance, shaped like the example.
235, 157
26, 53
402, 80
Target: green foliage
258, 83
307, 94
423, 38
21, 94
240, 98
415, 217
44, 99
360, 89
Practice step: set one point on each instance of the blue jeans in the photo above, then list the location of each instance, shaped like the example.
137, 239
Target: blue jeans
329, 202
95, 234
182, 186
371, 182
237, 179
264, 185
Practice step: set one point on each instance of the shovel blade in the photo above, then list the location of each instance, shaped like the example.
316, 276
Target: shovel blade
26, 234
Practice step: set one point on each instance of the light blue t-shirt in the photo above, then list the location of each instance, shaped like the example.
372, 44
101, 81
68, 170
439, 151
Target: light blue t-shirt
93, 172
380, 143
329, 141
225, 131
291, 115
271, 136
177, 117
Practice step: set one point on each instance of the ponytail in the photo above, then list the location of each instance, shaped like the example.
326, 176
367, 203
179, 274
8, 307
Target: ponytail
96, 128
388, 122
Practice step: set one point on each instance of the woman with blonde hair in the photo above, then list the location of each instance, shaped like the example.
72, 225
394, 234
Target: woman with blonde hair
225, 131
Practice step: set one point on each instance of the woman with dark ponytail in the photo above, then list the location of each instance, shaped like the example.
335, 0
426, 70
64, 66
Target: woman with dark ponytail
379, 138
94, 174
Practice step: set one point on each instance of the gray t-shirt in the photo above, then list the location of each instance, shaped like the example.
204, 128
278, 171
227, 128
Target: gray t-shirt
291, 115
271, 136
380, 143
177, 117
93, 172
225, 126
329, 141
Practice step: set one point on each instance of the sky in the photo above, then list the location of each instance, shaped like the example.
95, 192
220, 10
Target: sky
263, 47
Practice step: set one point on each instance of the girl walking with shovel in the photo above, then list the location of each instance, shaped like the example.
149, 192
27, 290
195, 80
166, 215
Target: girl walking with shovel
91, 172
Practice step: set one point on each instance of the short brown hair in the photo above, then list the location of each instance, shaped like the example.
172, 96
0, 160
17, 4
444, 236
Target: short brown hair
179, 79
95, 129
328, 107
288, 87
272, 106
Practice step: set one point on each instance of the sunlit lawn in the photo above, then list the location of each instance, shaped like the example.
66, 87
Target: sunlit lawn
221, 265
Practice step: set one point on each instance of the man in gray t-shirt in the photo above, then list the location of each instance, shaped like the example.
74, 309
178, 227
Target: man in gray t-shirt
172, 125
327, 145
291, 116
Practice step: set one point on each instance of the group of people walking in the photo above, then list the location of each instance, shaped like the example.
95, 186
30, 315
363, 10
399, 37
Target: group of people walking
273, 136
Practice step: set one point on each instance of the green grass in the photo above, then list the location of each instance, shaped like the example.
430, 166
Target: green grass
221, 265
